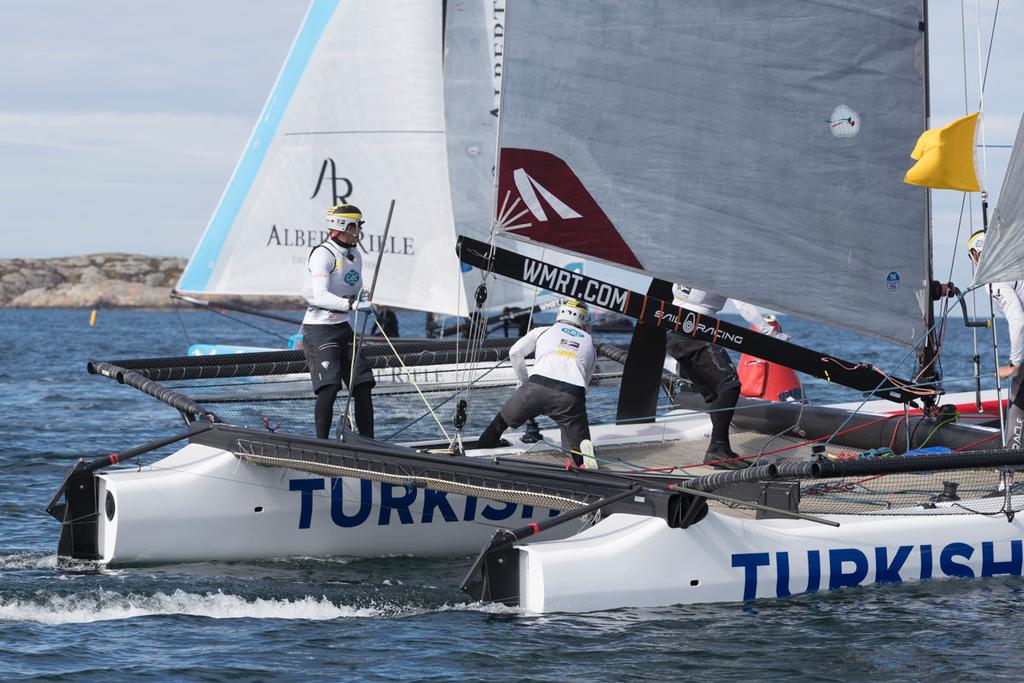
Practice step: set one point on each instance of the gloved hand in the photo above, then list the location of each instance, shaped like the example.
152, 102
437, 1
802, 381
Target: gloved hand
772, 328
362, 303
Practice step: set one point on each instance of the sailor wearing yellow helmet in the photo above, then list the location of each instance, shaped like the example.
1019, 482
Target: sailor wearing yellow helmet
1010, 297
557, 386
333, 280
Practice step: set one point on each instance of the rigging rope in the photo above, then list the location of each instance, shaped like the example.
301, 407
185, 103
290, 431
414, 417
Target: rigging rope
412, 380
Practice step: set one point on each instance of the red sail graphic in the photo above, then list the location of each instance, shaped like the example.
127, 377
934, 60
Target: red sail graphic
560, 210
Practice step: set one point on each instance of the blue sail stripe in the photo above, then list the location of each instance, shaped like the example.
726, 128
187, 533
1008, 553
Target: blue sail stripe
200, 267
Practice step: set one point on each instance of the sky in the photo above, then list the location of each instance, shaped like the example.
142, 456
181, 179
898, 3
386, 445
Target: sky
121, 121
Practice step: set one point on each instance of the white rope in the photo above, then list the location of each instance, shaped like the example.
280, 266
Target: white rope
354, 348
412, 381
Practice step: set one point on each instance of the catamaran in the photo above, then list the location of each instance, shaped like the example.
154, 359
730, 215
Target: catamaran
659, 144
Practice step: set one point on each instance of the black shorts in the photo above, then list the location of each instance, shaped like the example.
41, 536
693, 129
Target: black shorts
568, 410
706, 365
328, 350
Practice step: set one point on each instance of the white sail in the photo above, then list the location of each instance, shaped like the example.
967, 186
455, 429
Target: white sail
751, 148
1001, 259
356, 115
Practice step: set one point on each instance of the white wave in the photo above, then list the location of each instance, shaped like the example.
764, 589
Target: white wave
18, 561
108, 606
486, 608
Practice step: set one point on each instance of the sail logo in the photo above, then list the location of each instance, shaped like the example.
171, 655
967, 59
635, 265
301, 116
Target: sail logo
690, 323
528, 188
892, 281
371, 243
844, 122
565, 214
835, 568
498, 49
574, 285
329, 172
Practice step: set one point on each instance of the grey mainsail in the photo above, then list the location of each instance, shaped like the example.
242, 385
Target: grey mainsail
751, 148
1001, 259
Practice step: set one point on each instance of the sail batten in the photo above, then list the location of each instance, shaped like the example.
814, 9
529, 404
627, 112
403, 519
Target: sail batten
754, 149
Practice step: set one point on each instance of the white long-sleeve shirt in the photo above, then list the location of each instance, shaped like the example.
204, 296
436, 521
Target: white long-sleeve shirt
333, 279
562, 352
1010, 297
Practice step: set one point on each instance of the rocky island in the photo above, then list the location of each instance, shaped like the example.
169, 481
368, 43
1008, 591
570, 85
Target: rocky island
95, 280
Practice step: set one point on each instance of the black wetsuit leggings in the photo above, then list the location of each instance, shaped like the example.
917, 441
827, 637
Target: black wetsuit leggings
323, 413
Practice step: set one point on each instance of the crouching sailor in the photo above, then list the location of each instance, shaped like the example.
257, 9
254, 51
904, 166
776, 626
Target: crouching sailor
711, 370
1010, 297
557, 387
332, 284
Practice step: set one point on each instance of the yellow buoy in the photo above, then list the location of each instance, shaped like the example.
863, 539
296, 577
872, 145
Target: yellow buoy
92, 318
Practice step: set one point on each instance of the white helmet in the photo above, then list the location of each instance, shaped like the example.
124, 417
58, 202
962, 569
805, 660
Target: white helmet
573, 312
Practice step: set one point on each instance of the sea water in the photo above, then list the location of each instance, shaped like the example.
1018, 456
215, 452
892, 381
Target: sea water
404, 618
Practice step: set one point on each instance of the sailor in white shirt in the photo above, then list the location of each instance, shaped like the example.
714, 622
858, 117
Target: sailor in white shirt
1010, 297
333, 280
557, 386
711, 371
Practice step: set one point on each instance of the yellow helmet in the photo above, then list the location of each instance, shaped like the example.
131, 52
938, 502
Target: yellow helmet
975, 243
346, 218
573, 312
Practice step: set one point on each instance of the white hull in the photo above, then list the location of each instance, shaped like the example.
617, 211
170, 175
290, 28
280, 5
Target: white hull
636, 561
204, 504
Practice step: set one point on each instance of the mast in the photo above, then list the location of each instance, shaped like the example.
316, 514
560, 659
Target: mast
928, 357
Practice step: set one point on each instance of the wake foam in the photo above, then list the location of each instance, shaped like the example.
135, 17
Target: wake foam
108, 606
27, 560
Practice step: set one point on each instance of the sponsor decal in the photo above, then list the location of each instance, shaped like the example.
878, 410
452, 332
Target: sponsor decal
834, 568
572, 332
334, 189
351, 277
844, 122
574, 285
528, 189
892, 281
498, 49
397, 504
567, 348
329, 173
291, 237
575, 267
561, 212
371, 243
690, 326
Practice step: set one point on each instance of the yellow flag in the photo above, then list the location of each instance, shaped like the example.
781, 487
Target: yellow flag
945, 157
